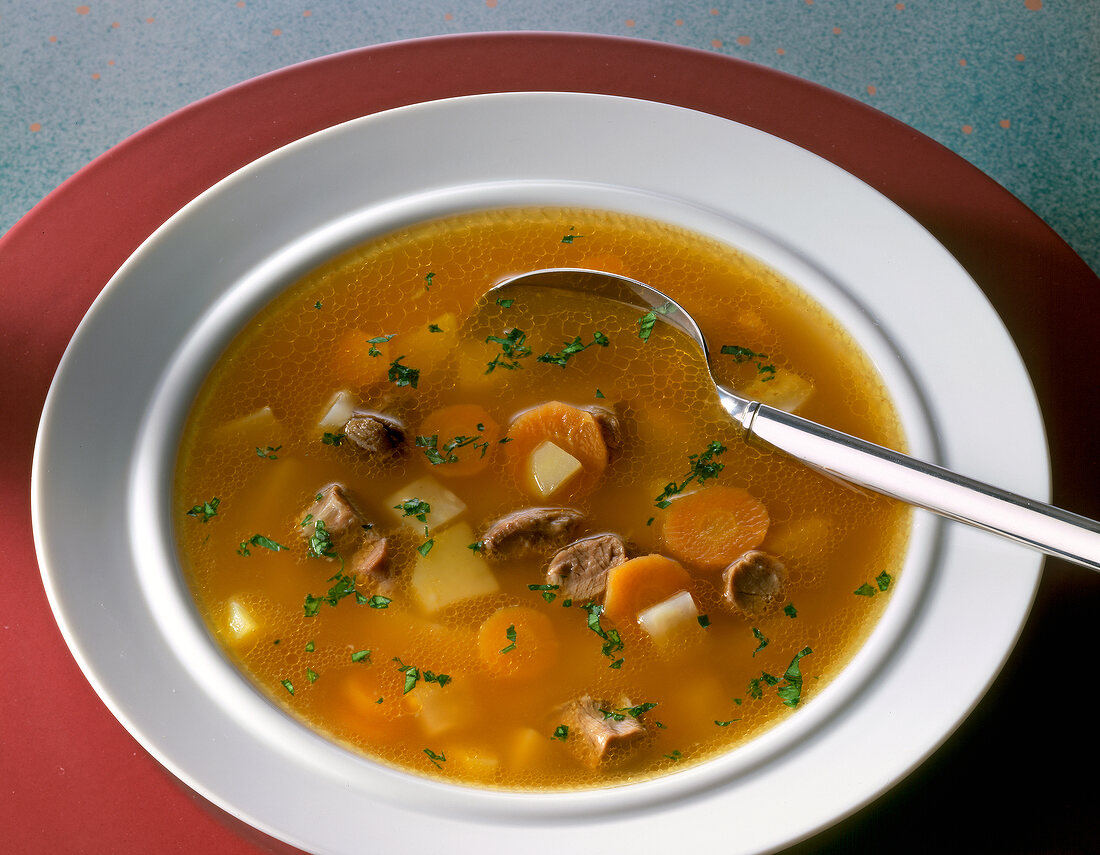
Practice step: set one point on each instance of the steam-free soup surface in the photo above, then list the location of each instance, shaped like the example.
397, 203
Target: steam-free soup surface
388, 503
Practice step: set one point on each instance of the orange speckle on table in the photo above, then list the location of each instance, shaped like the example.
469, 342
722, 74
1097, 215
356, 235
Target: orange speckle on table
447, 16
836, 31
714, 11
115, 25
968, 129
809, 2
53, 40
492, 4
679, 22
744, 41
35, 127
900, 7
110, 62
962, 62
872, 90
240, 4
95, 75
149, 20
308, 13
780, 52
630, 22
82, 10
276, 32
1034, 5
1019, 57
716, 43
1005, 123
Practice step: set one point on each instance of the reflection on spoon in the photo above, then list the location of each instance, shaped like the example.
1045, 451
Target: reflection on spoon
925, 485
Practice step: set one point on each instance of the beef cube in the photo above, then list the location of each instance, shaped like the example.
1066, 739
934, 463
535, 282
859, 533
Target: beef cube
377, 435
580, 569
754, 582
529, 530
598, 727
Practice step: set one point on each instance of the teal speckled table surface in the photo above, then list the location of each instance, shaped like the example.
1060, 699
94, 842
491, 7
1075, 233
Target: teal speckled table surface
1013, 86
1010, 86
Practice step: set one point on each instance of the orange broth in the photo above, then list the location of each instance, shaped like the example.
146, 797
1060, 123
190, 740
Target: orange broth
253, 442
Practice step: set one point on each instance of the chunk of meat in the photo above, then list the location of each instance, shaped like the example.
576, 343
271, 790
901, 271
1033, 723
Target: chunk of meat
755, 581
598, 727
336, 510
610, 427
580, 569
371, 561
530, 530
375, 434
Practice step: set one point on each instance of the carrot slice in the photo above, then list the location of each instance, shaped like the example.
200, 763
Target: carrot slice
463, 431
713, 526
642, 582
518, 642
571, 429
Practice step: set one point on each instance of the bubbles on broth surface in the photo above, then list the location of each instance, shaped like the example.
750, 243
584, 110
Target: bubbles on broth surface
255, 441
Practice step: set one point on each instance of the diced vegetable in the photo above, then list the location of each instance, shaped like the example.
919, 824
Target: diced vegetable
441, 709
337, 412
641, 582
570, 429
714, 525
242, 625
518, 642
673, 621
451, 572
445, 506
551, 468
785, 390
528, 748
476, 762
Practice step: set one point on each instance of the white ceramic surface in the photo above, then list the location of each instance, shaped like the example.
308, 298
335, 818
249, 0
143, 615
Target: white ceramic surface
111, 423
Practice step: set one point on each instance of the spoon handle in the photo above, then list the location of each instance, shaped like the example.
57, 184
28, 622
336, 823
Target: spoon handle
1035, 524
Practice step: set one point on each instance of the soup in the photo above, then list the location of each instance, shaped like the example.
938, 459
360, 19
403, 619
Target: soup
518, 543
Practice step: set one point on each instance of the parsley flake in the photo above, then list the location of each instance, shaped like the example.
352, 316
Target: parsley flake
205, 510
703, 468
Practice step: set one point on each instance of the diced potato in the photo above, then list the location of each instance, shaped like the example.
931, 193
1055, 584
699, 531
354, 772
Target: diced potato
337, 412
785, 391
445, 505
240, 621
527, 748
800, 539
674, 621
451, 571
441, 709
552, 467
474, 761
258, 429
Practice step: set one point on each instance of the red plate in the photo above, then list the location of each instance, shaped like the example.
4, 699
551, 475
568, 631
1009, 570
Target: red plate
1014, 778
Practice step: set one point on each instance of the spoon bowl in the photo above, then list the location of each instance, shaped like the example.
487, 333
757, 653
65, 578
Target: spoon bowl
925, 485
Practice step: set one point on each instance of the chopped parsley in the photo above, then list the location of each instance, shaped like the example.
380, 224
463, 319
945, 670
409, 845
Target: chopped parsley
414, 507
361, 656
435, 758
790, 611
343, 586
612, 640
429, 280
377, 340
426, 547
864, 590
310, 647
512, 349
379, 602
413, 675
436, 457
320, 542
289, 686
312, 675
572, 348
791, 691
883, 581
205, 510
675, 756
726, 723
764, 370
561, 732
547, 591
268, 453
600, 394
647, 321
622, 712
318, 304
403, 375
435, 328
571, 235
761, 639
258, 540
476, 546
333, 439
703, 468
510, 634
704, 621
505, 302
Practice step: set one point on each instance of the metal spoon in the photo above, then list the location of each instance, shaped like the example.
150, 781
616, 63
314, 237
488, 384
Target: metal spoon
1034, 524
